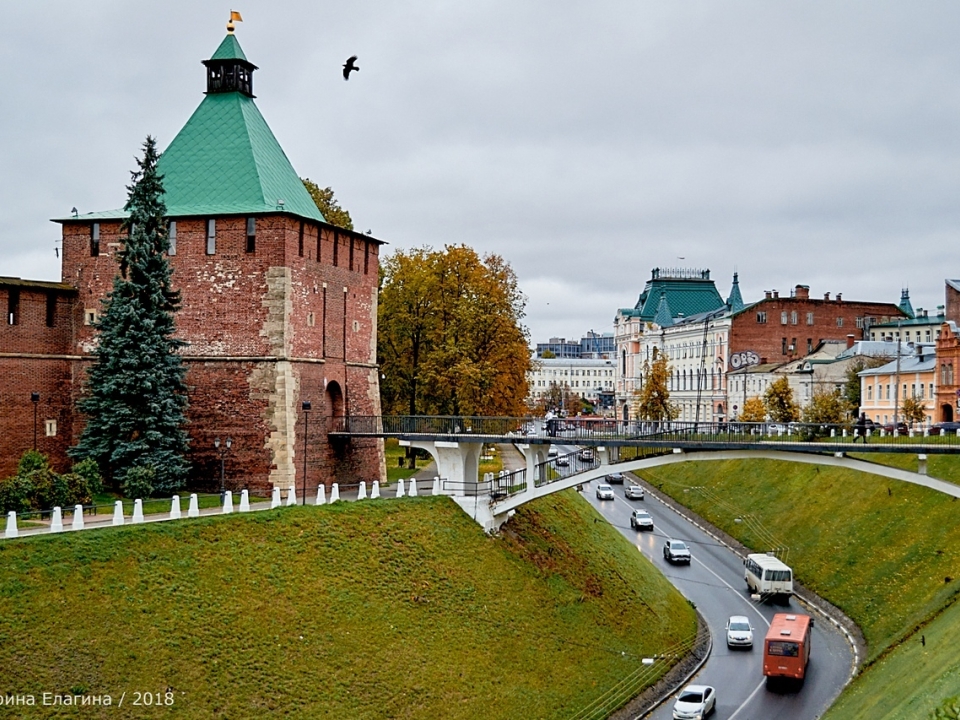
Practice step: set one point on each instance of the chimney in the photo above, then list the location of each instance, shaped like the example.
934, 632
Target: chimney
802, 292
839, 297
766, 294
826, 296
775, 294
849, 340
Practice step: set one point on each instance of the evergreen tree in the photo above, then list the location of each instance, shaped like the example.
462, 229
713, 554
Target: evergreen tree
136, 395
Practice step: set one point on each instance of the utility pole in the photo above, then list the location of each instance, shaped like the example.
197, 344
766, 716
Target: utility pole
896, 387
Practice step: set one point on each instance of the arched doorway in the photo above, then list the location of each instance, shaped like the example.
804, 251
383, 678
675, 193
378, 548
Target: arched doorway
946, 412
333, 398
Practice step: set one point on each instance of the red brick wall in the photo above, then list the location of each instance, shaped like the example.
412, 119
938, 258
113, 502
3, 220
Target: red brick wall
766, 339
952, 304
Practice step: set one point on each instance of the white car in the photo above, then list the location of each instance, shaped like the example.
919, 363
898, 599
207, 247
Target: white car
604, 492
739, 632
633, 492
695, 702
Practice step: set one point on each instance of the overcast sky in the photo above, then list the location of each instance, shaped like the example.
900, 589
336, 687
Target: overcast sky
806, 143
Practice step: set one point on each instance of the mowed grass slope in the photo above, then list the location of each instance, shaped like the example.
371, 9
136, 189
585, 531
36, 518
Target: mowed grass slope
355, 610
886, 552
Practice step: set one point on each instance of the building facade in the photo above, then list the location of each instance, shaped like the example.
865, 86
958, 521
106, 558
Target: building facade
278, 306
591, 379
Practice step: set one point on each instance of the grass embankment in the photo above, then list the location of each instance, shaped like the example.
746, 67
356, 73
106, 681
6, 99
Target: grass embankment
942, 467
886, 552
353, 610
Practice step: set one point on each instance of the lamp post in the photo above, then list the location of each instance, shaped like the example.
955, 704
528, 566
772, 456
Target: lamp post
306, 407
223, 454
35, 399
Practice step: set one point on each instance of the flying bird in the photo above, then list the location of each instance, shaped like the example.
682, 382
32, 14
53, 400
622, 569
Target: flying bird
350, 66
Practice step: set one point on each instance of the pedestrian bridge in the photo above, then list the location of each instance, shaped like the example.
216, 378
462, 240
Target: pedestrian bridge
456, 443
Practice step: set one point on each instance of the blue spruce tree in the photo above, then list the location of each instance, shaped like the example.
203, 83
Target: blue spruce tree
136, 395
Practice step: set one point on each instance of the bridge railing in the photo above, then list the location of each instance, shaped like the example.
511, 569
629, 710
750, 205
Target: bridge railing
596, 430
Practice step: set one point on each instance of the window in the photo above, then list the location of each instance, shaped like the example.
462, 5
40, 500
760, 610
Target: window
783, 318
90, 316
172, 238
783, 346
51, 309
869, 392
809, 318
300, 241
860, 323
366, 257
311, 319
50, 427
252, 234
762, 318
13, 306
793, 317
888, 395
839, 322
95, 240
211, 236
336, 249
913, 390
921, 391
809, 345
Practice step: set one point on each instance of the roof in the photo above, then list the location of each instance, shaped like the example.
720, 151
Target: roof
36, 284
229, 49
686, 293
908, 364
226, 161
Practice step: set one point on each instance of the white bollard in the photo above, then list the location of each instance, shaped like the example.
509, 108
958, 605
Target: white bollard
244, 501
227, 502
833, 432
292, 497
844, 432
275, 498
412, 492
175, 507
11, 531
400, 488
78, 517
56, 520
436, 486
321, 494
362, 490
137, 511
334, 493
194, 509
118, 513
883, 432
375, 491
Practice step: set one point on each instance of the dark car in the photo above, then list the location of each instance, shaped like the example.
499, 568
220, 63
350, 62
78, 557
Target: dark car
901, 428
945, 428
614, 478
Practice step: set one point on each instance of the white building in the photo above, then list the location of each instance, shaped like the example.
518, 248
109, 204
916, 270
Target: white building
586, 378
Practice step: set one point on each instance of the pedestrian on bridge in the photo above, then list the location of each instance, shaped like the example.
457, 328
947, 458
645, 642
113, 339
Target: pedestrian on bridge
860, 430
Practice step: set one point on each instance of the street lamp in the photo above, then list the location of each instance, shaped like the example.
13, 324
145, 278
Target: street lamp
223, 454
306, 407
35, 399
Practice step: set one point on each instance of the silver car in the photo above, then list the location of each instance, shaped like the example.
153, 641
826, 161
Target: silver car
641, 520
633, 492
604, 492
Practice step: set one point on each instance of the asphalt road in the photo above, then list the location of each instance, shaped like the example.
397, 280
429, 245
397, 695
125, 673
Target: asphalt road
714, 582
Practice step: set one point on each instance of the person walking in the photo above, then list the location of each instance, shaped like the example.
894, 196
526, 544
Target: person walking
861, 428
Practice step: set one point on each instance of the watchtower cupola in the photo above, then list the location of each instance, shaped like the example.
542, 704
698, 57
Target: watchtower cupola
229, 70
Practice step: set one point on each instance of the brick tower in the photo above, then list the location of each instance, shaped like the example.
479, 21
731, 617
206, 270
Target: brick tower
279, 307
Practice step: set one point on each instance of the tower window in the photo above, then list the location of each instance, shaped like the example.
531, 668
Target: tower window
13, 306
211, 236
172, 238
95, 240
51, 309
300, 240
252, 234
762, 317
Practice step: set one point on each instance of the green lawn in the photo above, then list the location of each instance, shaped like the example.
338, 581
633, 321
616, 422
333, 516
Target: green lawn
354, 610
886, 552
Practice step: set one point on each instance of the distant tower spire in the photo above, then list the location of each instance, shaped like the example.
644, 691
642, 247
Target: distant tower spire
234, 17
228, 69
735, 301
663, 318
905, 305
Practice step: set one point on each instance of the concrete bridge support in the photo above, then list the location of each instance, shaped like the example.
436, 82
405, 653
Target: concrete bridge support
457, 462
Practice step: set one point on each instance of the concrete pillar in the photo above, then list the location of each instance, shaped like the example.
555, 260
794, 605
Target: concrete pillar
118, 513
921, 464
56, 521
375, 490
535, 454
457, 462
227, 502
321, 494
412, 490
400, 488
362, 491
334, 493
291, 497
175, 507
137, 511
435, 490
194, 509
78, 517
833, 432
275, 498
11, 531
244, 501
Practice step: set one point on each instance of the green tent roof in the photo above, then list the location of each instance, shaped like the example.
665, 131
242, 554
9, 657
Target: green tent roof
226, 161
684, 296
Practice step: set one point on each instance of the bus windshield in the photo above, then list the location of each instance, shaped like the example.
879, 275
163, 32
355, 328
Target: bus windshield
783, 648
777, 575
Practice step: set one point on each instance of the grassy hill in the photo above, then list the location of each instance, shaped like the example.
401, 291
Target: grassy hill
357, 610
886, 552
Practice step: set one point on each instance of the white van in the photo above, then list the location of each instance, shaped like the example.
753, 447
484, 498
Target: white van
767, 575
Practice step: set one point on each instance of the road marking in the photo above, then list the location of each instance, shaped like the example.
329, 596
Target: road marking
735, 592
744, 704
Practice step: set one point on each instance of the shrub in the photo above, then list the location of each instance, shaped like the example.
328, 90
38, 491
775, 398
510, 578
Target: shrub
90, 471
48, 488
138, 482
32, 460
949, 710
78, 489
15, 493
